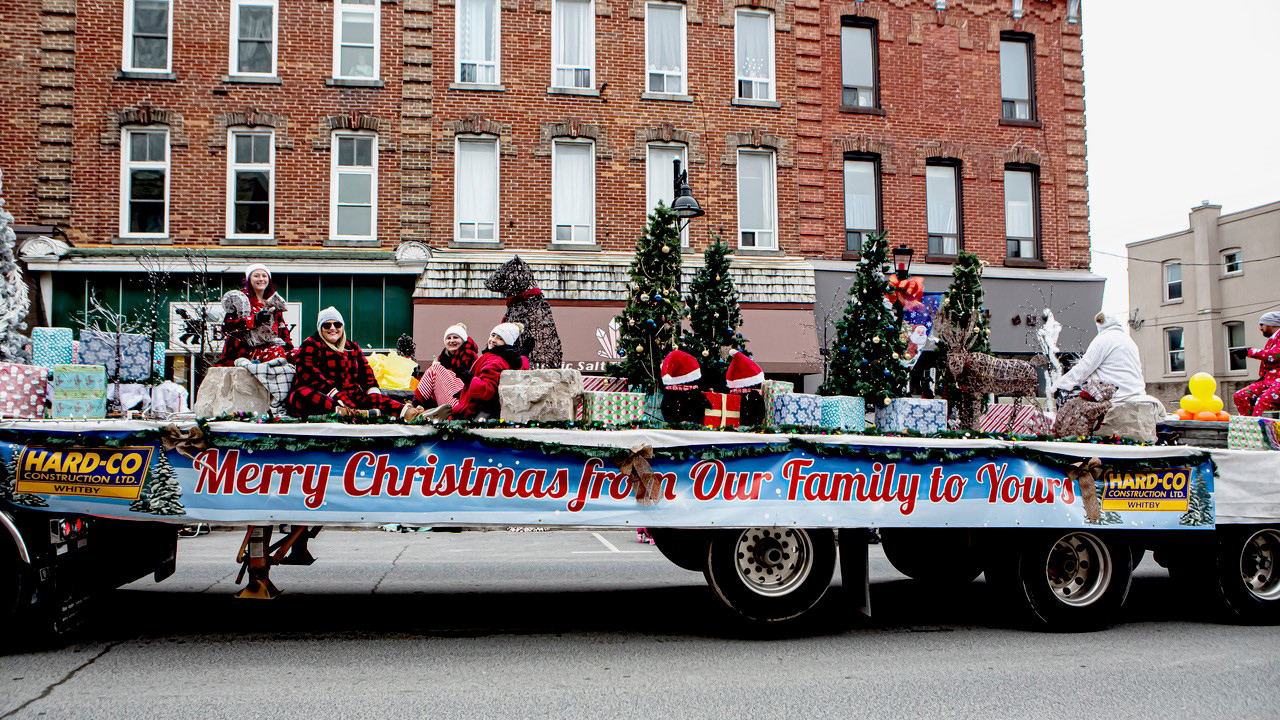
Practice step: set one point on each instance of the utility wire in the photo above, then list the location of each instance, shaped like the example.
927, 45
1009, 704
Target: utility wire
1191, 264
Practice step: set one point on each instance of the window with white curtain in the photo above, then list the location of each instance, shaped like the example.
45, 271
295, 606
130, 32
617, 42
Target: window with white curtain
942, 199
573, 192
1237, 347
661, 173
356, 39
479, 41
253, 37
1172, 281
1020, 213
250, 183
1015, 78
1176, 352
753, 43
144, 183
148, 29
353, 186
858, 63
861, 202
665, 48
757, 200
475, 190
573, 44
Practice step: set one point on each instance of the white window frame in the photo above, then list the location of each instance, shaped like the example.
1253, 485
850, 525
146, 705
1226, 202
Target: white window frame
335, 170
233, 166
684, 50
773, 60
773, 171
497, 50
652, 202
126, 62
1226, 264
875, 199
234, 59
1169, 352
374, 9
126, 165
555, 151
497, 176
1226, 327
555, 47
1166, 283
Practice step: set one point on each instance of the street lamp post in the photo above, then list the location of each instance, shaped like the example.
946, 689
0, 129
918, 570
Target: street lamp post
684, 205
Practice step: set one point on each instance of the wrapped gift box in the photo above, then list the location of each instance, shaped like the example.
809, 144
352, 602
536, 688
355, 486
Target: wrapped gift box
23, 389
79, 391
1250, 433
923, 416
157, 360
71, 408
771, 389
51, 346
136, 354
725, 410
845, 412
613, 408
1029, 420
600, 383
797, 409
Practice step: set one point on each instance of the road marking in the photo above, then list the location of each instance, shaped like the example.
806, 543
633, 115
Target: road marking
606, 543
612, 548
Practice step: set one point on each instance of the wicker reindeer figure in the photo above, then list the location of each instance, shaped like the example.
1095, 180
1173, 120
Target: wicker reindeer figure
978, 374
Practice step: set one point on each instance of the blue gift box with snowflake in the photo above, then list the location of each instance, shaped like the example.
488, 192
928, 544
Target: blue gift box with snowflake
844, 412
923, 416
797, 409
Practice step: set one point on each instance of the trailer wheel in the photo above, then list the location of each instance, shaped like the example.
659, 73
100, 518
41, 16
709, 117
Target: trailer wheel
687, 549
1239, 575
1063, 581
945, 555
771, 574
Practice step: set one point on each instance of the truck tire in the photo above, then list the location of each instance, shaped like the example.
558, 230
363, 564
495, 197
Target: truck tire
1061, 580
687, 549
932, 554
771, 574
1237, 574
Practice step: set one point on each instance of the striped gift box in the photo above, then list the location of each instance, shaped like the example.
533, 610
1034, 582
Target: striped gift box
602, 383
771, 389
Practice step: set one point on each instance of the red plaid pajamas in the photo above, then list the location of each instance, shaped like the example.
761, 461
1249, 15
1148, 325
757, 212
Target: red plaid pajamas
328, 377
1263, 395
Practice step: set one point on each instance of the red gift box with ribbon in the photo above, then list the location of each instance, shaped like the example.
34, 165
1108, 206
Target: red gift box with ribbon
725, 410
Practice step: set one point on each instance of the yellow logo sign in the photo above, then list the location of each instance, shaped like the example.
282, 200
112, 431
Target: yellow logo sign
1160, 490
98, 472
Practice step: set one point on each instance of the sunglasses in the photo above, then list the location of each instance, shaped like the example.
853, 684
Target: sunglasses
334, 325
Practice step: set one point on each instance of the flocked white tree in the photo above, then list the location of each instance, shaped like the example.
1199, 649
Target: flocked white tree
15, 299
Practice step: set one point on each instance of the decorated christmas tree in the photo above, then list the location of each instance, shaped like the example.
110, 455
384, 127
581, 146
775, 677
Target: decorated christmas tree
15, 301
962, 304
650, 324
714, 315
865, 360
1200, 506
162, 494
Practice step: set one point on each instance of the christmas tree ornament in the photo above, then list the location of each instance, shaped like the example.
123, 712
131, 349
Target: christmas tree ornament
705, 353
666, 248
876, 339
644, 297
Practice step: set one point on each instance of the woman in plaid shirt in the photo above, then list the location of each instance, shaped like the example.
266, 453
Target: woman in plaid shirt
334, 377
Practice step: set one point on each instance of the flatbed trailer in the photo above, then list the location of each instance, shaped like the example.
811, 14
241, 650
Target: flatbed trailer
1056, 527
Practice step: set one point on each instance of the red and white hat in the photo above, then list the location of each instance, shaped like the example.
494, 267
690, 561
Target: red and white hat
679, 367
743, 371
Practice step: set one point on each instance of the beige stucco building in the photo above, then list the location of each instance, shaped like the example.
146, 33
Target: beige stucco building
1195, 297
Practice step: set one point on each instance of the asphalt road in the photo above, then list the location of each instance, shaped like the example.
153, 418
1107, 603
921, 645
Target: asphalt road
559, 625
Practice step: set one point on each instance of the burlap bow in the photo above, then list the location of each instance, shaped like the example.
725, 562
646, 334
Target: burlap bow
636, 466
187, 443
1085, 474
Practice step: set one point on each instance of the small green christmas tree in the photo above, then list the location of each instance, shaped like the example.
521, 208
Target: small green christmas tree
162, 495
15, 301
714, 315
1200, 506
962, 303
650, 324
865, 360
8, 485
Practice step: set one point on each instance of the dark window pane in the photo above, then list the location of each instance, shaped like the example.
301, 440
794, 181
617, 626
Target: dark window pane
468, 73
151, 17
346, 151
1239, 358
252, 218
150, 53
255, 23
244, 148
138, 147
262, 148
146, 185
255, 57
852, 241
744, 89
1011, 248
364, 152
146, 217
155, 145
252, 186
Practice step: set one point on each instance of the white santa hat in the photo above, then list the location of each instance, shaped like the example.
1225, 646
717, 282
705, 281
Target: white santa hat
679, 367
508, 331
329, 314
456, 329
743, 371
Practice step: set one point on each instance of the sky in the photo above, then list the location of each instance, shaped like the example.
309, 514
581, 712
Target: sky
1182, 105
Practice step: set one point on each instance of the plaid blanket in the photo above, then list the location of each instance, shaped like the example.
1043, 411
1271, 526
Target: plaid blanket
276, 375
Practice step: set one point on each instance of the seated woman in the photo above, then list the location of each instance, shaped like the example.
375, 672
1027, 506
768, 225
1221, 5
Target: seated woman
479, 401
253, 321
333, 376
450, 372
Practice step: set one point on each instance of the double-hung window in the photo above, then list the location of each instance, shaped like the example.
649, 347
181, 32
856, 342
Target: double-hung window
353, 187
1017, 84
479, 42
858, 63
1175, 350
148, 27
861, 200
661, 174
664, 28
757, 200
253, 37
1021, 213
573, 192
942, 200
1232, 263
250, 184
144, 181
475, 195
573, 44
1237, 347
356, 39
1172, 281
753, 43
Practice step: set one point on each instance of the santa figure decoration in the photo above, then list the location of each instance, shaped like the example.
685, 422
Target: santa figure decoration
682, 399
744, 379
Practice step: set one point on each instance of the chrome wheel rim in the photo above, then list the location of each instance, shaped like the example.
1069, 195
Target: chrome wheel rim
1078, 569
772, 561
1258, 561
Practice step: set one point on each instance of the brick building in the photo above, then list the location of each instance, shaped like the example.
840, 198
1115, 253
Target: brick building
547, 128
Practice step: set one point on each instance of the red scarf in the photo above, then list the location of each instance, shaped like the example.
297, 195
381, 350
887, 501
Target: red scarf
531, 292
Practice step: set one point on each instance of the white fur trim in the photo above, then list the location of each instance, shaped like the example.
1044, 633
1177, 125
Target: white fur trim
695, 375
746, 382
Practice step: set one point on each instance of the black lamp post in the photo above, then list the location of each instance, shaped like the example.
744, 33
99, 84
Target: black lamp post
684, 205
902, 261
